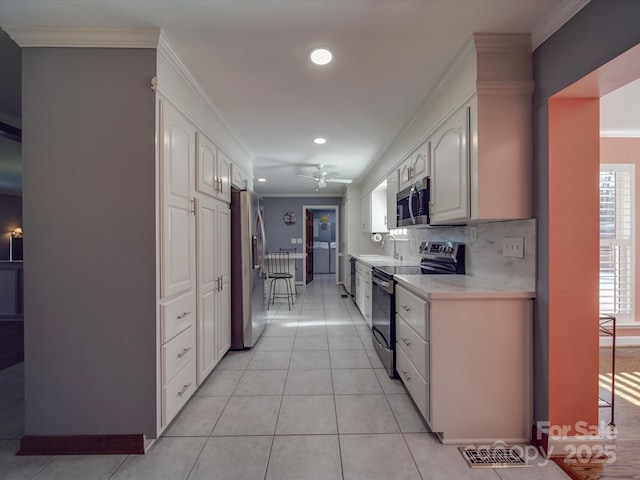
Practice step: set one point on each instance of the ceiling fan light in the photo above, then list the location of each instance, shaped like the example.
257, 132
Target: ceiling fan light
319, 141
320, 56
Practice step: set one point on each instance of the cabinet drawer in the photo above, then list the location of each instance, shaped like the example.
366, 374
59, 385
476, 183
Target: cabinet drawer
178, 391
414, 346
176, 315
417, 386
177, 353
414, 310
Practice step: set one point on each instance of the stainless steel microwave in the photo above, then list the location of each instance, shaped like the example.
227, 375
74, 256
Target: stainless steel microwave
413, 204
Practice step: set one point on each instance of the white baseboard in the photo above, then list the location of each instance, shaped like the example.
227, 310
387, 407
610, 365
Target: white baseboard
620, 341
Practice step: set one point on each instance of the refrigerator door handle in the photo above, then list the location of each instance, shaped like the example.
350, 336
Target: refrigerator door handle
264, 239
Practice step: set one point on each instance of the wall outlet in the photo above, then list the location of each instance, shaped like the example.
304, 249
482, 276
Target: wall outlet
513, 247
298, 240
293, 240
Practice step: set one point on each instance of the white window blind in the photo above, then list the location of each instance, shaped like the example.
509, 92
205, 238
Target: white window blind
617, 252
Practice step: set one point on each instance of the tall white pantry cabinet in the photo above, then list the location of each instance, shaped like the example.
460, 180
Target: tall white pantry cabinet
195, 329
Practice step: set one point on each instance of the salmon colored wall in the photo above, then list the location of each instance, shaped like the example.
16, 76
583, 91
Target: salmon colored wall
626, 150
573, 260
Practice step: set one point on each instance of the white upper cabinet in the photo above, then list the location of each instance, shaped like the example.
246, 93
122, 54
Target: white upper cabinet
213, 175
239, 178
224, 176
365, 213
374, 210
415, 167
178, 256
450, 169
478, 152
392, 209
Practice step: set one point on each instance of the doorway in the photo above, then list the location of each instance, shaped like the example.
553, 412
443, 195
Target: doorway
321, 237
576, 247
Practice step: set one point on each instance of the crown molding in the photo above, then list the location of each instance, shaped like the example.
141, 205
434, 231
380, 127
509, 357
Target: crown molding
556, 19
510, 87
166, 49
502, 42
84, 37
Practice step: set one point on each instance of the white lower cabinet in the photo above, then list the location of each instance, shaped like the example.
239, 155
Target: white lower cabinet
466, 363
176, 393
417, 386
364, 291
213, 282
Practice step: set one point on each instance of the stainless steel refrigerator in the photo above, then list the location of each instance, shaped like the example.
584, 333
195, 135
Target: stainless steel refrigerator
248, 269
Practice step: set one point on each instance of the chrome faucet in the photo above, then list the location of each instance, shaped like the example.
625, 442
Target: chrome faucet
395, 252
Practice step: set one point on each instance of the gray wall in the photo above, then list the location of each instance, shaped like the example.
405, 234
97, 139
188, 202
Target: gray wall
598, 33
89, 213
278, 233
10, 83
10, 218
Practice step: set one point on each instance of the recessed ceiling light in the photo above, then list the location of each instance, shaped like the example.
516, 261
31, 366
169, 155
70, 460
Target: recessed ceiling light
320, 140
262, 179
320, 56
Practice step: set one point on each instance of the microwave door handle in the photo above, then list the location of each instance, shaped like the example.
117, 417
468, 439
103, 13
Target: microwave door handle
413, 219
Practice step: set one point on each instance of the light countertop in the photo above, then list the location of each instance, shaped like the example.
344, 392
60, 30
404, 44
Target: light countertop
382, 260
460, 286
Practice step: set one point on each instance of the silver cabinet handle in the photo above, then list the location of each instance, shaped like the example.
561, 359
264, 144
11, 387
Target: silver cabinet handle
406, 308
184, 352
184, 389
405, 341
405, 374
185, 314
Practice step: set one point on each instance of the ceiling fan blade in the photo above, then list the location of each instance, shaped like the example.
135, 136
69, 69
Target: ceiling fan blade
321, 183
307, 176
338, 180
332, 174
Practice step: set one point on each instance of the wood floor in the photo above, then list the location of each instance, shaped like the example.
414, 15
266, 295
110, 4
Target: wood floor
627, 420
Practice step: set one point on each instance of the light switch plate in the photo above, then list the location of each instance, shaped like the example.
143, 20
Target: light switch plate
293, 240
299, 240
513, 247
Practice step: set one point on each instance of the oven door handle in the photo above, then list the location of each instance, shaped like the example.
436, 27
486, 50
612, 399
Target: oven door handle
381, 283
377, 335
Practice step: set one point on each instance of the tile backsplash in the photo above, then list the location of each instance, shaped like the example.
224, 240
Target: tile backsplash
484, 255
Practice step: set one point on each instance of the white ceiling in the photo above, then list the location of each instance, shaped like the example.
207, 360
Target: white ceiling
620, 111
250, 58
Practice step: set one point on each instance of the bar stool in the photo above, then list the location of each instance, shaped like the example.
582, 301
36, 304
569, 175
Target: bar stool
279, 270
293, 250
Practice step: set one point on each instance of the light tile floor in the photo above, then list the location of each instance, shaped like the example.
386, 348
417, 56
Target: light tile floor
309, 401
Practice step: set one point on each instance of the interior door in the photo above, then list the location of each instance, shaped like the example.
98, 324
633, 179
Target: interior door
309, 228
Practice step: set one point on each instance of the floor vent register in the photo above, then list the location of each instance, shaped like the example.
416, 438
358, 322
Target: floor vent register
493, 457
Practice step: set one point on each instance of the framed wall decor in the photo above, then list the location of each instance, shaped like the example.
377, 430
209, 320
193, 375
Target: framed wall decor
289, 218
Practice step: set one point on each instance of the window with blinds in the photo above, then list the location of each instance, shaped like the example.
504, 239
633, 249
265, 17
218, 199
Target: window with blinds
617, 252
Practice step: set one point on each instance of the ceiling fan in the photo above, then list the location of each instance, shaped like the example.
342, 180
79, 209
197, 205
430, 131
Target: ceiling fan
322, 178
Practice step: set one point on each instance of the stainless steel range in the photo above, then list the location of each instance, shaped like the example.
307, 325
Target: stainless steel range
438, 258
